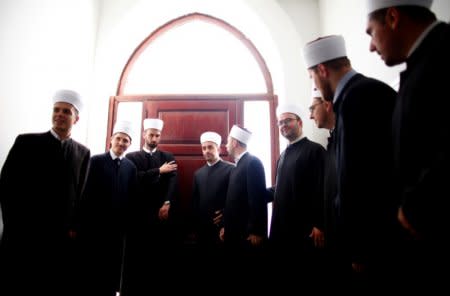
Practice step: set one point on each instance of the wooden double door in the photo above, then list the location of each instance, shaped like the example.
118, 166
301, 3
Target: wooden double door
185, 119
184, 122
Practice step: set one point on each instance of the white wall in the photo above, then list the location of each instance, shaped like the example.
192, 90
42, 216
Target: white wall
45, 45
348, 18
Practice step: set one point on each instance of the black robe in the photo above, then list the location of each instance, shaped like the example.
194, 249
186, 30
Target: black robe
246, 207
298, 204
422, 165
152, 243
105, 220
40, 188
366, 207
330, 191
153, 189
421, 136
208, 196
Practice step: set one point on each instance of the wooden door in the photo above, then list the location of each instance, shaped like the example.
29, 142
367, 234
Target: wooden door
184, 122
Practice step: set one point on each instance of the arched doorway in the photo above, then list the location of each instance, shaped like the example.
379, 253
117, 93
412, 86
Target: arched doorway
169, 76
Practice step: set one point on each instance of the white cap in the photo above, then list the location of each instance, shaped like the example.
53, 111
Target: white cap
211, 137
374, 5
324, 49
316, 93
123, 126
290, 108
155, 123
68, 96
240, 134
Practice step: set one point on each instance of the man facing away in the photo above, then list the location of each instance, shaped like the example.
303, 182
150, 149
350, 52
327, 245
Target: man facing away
40, 189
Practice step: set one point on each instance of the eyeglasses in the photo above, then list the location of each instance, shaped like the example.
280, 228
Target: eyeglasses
313, 106
286, 121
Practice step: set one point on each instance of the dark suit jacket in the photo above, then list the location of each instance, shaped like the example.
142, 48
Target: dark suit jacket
366, 207
422, 164
246, 206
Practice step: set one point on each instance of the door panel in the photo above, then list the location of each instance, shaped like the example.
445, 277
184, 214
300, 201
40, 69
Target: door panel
184, 122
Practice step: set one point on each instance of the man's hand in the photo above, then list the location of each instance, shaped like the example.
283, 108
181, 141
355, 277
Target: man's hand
405, 223
218, 217
168, 167
317, 237
255, 240
164, 212
222, 234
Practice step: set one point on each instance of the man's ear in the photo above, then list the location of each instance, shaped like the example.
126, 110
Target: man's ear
322, 70
392, 18
233, 143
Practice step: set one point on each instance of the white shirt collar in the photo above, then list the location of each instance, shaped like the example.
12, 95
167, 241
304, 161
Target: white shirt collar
149, 151
298, 139
237, 158
342, 83
114, 156
421, 37
212, 164
57, 137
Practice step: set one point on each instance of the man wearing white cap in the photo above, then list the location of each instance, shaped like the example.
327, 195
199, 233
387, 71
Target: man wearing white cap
408, 31
209, 192
298, 205
40, 187
245, 214
321, 111
362, 151
106, 213
157, 190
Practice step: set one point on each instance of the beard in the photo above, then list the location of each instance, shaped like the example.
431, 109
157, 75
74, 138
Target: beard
327, 92
152, 145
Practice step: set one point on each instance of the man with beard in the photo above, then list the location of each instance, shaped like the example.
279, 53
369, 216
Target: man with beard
208, 201
366, 209
209, 192
245, 214
296, 229
153, 234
